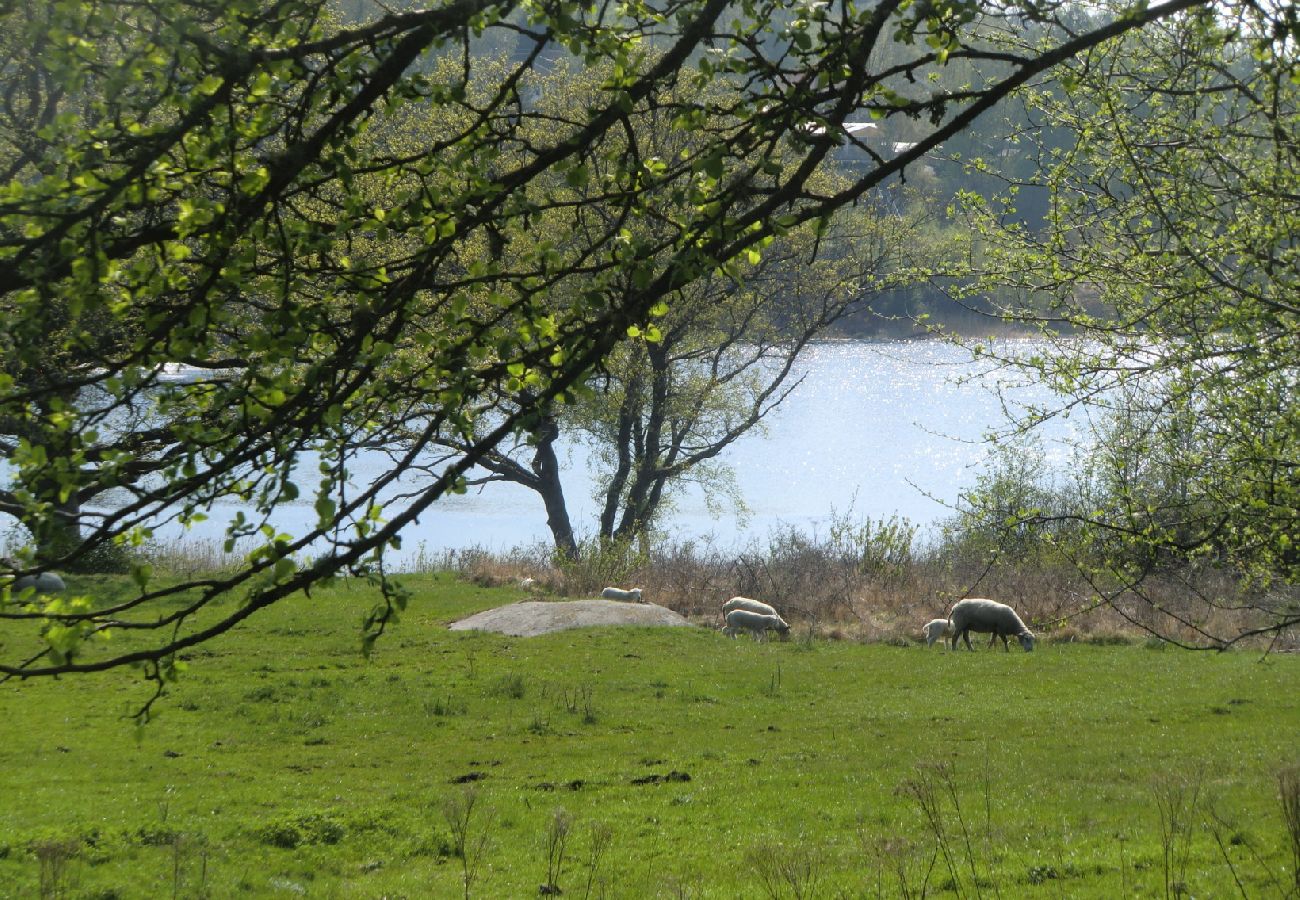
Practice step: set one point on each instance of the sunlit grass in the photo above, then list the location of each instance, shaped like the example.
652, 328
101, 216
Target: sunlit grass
284, 763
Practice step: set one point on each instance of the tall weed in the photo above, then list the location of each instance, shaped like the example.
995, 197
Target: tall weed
786, 870
555, 844
934, 791
1177, 805
471, 835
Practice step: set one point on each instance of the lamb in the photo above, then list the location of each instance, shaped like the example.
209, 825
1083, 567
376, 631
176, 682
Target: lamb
988, 616
757, 624
756, 606
613, 593
936, 629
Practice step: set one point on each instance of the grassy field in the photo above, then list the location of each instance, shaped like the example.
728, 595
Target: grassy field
647, 763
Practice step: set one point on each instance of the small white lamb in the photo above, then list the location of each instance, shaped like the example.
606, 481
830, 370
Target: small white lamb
757, 624
988, 616
935, 629
631, 596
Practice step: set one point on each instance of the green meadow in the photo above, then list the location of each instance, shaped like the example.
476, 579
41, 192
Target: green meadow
632, 762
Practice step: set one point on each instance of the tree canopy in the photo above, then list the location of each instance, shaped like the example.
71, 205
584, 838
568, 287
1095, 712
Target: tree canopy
339, 224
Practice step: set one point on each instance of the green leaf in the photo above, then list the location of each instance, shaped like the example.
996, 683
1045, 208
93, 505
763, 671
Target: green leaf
209, 85
141, 573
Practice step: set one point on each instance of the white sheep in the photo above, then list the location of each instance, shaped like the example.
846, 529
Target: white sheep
988, 616
936, 629
757, 624
613, 593
756, 606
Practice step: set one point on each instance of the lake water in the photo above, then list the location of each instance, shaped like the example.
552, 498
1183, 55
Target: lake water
876, 429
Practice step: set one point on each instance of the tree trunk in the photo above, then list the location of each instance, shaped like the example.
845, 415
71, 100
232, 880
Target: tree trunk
629, 416
641, 502
546, 466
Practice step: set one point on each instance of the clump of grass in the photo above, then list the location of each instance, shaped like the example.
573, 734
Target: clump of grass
428, 561
265, 693
511, 685
578, 699
154, 835
298, 831
444, 706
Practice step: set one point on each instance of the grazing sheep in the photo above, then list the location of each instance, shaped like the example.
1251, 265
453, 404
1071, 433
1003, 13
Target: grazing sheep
613, 593
988, 616
936, 629
756, 606
757, 624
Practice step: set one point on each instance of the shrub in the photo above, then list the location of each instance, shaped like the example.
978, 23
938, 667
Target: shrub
601, 563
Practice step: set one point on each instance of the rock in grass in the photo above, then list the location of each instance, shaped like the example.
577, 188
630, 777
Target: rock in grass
534, 617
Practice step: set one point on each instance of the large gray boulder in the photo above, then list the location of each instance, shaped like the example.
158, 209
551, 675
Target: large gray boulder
44, 582
534, 617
